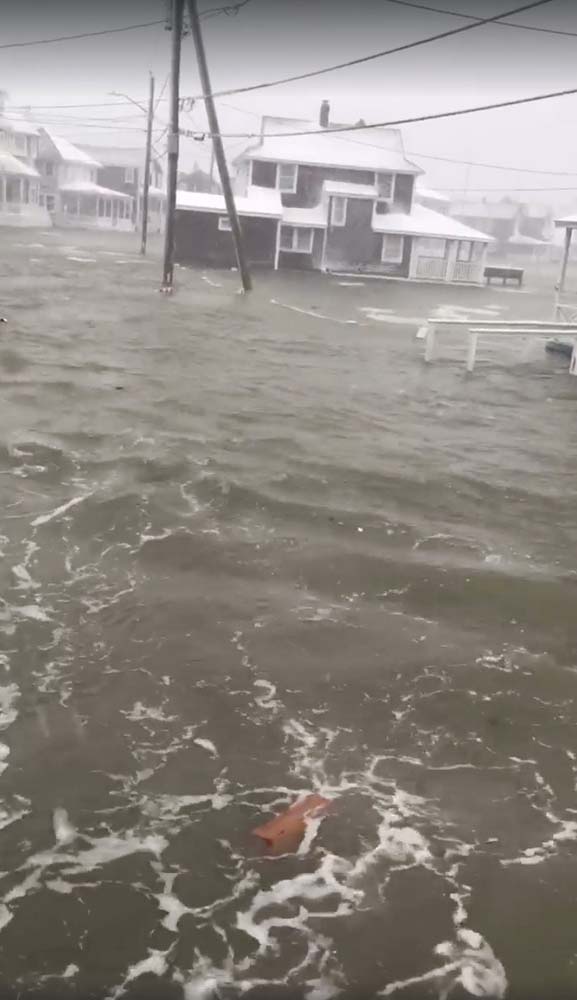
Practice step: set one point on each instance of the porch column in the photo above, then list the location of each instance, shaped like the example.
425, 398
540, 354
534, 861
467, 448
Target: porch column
560, 286
451, 259
414, 259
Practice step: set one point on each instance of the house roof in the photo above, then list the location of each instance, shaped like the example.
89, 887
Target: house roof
315, 217
67, 151
382, 151
17, 124
111, 156
350, 190
87, 187
567, 222
425, 222
10, 164
485, 209
423, 192
526, 241
258, 201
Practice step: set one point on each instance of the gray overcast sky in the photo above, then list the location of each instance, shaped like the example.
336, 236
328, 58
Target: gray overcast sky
270, 38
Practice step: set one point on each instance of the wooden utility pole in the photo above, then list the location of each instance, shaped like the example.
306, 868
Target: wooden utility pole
147, 159
218, 146
177, 7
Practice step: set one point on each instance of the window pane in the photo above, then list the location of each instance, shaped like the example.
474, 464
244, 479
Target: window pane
392, 248
464, 250
339, 211
303, 240
287, 176
286, 237
385, 185
433, 247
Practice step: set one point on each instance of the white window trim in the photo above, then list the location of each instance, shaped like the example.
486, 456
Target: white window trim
381, 197
294, 248
334, 200
224, 224
291, 190
399, 257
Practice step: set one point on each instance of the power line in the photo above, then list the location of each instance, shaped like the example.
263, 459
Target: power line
471, 17
83, 34
232, 9
406, 121
491, 166
505, 190
378, 55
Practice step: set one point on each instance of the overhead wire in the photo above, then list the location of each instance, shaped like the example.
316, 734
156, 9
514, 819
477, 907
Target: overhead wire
471, 17
363, 126
376, 55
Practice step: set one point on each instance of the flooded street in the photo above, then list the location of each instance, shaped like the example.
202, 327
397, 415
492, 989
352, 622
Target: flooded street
252, 548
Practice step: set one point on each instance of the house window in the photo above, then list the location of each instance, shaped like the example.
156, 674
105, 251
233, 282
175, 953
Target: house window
296, 239
433, 247
12, 190
339, 211
465, 250
393, 247
477, 251
385, 185
286, 177
130, 175
49, 168
20, 143
50, 202
224, 224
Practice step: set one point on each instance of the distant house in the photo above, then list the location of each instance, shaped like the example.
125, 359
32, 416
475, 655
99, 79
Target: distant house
198, 180
69, 188
346, 204
516, 228
19, 180
123, 171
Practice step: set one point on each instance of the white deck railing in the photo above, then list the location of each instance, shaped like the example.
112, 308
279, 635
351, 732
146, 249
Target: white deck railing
475, 328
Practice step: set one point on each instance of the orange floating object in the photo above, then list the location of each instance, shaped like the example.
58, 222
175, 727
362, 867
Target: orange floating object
289, 828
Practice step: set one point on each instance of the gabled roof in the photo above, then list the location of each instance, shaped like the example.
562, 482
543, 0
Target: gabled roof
88, 187
112, 156
13, 123
65, 150
10, 164
379, 150
258, 201
425, 222
430, 195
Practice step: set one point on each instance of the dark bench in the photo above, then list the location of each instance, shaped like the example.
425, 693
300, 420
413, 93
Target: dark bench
504, 273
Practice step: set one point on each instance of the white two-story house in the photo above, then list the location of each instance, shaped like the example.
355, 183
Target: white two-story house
70, 191
19, 178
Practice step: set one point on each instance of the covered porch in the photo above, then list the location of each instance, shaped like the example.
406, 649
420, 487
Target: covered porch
20, 194
89, 206
565, 302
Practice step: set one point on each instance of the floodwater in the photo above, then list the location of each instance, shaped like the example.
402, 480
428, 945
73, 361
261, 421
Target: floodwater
249, 553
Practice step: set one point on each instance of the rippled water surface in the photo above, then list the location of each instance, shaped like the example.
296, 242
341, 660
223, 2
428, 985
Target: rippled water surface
252, 548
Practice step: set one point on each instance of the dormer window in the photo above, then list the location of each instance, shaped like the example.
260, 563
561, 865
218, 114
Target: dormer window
286, 177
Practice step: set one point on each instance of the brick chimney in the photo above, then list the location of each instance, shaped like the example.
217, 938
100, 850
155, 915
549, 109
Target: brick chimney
324, 114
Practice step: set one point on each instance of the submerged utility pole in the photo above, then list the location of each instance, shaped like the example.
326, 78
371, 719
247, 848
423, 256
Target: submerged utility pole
177, 7
147, 159
218, 146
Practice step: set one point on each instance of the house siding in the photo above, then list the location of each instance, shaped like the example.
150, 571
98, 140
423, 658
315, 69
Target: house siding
198, 240
351, 245
304, 261
310, 183
403, 192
